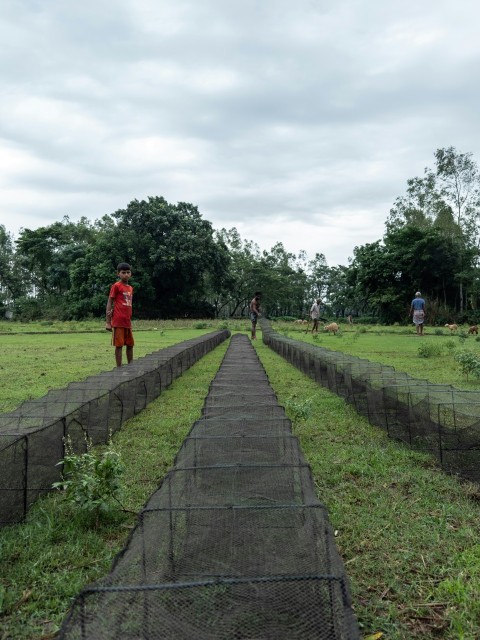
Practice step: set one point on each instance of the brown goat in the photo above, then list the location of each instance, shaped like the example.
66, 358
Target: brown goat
473, 330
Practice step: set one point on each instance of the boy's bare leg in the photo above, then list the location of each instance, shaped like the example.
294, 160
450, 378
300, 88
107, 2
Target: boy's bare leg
118, 356
129, 354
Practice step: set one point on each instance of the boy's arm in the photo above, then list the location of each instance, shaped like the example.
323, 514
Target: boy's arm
109, 312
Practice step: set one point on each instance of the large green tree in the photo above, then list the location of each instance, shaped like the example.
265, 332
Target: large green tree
177, 262
12, 276
447, 197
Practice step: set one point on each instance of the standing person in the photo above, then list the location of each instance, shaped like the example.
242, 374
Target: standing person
254, 313
315, 314
417, 311
119, 313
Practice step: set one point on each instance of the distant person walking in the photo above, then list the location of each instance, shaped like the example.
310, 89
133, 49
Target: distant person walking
255, 312
417, 311
119, 313
315, 314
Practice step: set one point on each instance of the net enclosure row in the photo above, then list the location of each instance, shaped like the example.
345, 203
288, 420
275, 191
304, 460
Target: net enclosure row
32, 437
436, 418
234, 543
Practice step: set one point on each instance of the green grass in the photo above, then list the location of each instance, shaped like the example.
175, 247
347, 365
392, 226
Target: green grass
96, 325
31, 364
46, 560
399, 347
408, 533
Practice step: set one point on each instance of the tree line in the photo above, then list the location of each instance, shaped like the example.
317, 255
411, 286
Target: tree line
182, 267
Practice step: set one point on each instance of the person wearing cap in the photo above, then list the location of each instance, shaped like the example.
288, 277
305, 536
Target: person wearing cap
417, 311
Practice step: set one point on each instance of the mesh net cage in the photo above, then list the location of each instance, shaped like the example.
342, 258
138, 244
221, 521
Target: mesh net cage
32, 436
436, 418
234, 543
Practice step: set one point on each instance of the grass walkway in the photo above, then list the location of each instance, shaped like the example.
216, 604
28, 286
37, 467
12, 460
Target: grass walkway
408, 533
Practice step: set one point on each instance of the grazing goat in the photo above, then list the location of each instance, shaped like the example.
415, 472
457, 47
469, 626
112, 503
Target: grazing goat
300, 322
452, 327
331, 328
473, 330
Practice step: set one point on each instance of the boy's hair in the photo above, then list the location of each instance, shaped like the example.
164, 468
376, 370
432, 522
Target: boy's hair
123, 266
258, 293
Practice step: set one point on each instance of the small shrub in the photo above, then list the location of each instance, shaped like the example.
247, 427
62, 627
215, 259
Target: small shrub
450, 344
200, 325
223, 325
477, 339
439, 332
92, 480
362, 330
429, 350
468, 362
299, 411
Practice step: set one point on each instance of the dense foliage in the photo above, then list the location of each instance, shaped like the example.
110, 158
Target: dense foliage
182, 267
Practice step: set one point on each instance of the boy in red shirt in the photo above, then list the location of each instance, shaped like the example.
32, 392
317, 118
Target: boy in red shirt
119, 314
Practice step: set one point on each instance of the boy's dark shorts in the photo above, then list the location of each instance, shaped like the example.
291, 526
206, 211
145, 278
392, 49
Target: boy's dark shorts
253, 318
122, 337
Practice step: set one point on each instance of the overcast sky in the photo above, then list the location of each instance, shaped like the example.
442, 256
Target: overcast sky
296, 122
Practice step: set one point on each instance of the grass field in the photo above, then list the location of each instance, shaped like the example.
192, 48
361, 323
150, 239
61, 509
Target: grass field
429, 357
408, 533
43, 356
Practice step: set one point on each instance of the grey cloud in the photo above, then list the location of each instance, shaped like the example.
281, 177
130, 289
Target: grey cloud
314, 112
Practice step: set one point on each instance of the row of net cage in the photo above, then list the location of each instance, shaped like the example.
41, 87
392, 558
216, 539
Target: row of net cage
33, 436
435, 418
234, 543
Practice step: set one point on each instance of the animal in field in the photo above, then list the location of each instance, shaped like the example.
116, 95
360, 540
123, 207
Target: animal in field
452, 327
473, 330
300, 322
331, 328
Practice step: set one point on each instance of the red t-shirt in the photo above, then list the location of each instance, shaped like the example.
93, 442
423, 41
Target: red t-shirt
122, 304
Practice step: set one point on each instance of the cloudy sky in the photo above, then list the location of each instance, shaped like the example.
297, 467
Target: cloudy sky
297, 122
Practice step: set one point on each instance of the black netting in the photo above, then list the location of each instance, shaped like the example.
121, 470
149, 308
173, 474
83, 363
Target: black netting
435, 418
234, 543
32, 436
307, 608
230, 449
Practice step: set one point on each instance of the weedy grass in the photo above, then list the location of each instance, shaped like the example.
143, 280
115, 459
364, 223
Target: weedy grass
46, 560
408, 533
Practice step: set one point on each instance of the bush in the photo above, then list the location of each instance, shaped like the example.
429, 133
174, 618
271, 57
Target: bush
200, 325
92, 480
469, 363
429, 350
299, 411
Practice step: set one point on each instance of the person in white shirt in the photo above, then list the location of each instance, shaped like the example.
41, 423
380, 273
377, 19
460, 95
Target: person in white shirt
315, 315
